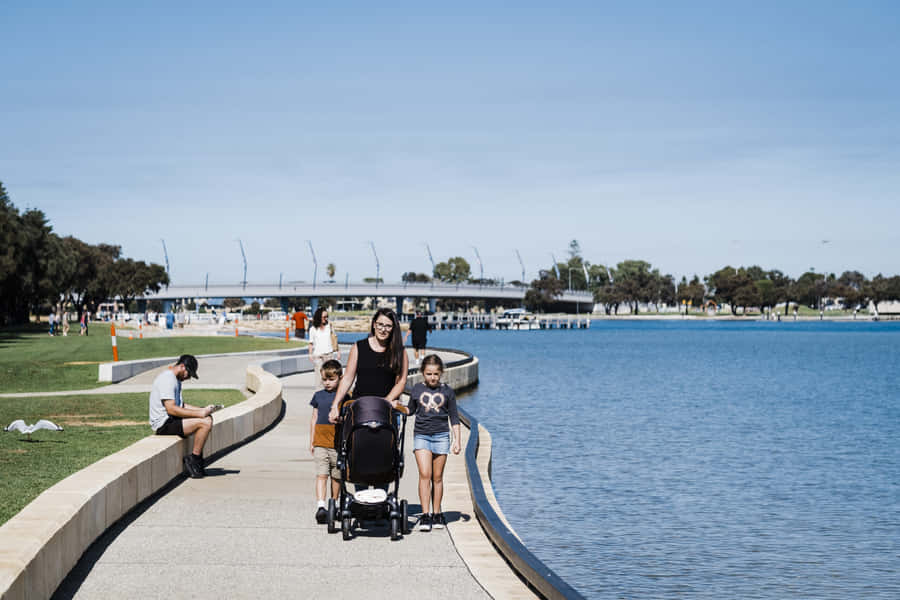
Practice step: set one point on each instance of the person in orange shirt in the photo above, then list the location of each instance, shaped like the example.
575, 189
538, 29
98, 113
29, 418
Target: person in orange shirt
300, 320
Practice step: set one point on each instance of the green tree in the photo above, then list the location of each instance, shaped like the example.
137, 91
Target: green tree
133, 278
454, 270
635, 282
724, 284
233, 303
411, 277
808, 289
852, 287
781, 286
692, 291
544, 291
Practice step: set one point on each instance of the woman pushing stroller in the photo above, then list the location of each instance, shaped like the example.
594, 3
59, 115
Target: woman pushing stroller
372, 438
378, 363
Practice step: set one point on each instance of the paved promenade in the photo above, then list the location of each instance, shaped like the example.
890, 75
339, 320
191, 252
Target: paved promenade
247, 530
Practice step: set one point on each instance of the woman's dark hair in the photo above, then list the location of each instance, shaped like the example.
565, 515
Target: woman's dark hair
394, 349
317, 317
433, 359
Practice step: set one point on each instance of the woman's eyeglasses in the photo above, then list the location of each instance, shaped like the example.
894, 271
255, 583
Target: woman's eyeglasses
384, 326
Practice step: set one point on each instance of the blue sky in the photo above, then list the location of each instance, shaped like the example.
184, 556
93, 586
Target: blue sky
691, 135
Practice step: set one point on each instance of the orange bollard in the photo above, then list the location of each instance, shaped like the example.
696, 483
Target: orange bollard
287, 334
235, 332
141, 330
112, 334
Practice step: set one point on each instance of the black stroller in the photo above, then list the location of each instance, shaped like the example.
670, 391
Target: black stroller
370, 454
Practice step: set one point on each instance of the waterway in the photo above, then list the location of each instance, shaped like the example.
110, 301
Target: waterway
699, 459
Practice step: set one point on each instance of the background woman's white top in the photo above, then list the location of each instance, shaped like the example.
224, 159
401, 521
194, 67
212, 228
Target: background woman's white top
321, 340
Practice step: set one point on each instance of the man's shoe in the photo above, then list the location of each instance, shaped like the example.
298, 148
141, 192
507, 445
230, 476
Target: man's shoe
425, 522
438, 521
193, 468
321, 515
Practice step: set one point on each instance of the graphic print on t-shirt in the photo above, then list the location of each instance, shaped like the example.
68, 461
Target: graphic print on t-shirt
432, 402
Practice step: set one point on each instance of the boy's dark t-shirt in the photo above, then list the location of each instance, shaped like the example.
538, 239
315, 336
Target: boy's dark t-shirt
323, 436
432, 407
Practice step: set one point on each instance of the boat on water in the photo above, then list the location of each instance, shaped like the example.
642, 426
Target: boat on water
518, 319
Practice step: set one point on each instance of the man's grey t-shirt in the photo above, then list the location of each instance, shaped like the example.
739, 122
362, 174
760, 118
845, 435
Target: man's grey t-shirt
165, 387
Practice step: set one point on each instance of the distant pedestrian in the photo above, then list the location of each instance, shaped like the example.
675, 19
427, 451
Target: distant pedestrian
83, 321
300, 320
323, 344
419, 330
433, 403
52, 321
65, 323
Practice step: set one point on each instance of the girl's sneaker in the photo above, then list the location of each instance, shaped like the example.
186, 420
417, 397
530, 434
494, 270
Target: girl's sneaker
438, 521
425, 522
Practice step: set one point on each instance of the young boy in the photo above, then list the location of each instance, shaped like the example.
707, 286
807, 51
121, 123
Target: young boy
321, 437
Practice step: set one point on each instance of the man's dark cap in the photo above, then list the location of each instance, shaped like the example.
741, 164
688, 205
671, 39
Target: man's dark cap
190, 363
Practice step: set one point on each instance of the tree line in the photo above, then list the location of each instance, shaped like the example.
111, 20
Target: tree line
40, 270
633, 283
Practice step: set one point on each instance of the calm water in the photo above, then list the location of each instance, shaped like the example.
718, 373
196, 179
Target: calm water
699, 460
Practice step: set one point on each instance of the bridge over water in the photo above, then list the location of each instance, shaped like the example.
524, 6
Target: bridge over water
514, 295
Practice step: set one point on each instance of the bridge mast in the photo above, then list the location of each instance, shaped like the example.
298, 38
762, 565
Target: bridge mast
166, 254
244, 258
521, 264
377, 265
480, 266
315, 263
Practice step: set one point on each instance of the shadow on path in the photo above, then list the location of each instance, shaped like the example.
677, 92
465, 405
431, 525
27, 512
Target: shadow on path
76, 577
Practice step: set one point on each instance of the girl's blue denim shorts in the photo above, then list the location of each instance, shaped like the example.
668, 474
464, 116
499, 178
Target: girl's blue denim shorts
439, 443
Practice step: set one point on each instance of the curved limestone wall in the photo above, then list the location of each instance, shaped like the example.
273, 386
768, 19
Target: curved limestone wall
43, 542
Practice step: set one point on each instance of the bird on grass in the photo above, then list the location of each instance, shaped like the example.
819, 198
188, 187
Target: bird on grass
20, 426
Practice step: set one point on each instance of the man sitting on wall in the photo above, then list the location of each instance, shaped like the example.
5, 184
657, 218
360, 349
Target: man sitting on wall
169, 415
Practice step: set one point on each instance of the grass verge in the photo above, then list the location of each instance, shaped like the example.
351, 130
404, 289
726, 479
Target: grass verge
95, 426
36, 362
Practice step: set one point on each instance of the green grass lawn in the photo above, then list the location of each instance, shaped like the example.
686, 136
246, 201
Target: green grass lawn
95, 426
35, 362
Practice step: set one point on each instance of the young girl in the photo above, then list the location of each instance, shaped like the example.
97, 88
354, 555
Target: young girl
433, 402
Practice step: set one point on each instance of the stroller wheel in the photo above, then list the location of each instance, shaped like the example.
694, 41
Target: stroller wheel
395, 529
345, 528
404, 518
329, 519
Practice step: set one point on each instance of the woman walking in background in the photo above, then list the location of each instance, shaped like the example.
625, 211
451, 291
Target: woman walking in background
323, 344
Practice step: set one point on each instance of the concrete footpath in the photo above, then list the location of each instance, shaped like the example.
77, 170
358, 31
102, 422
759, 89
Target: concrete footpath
248, 529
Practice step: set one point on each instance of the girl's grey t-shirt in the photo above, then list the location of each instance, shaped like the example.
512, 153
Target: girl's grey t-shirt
165, 387
432, 407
